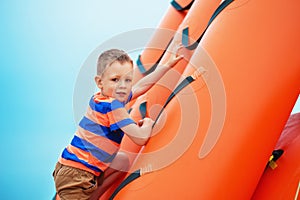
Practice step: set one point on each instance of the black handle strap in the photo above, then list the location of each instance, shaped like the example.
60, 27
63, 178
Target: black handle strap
134, 175
182, 85
143, 109
137, 173
185, 32
178, 7
276, 154
141, 66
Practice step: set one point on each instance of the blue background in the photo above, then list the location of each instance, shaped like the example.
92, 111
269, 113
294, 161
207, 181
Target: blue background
43, 45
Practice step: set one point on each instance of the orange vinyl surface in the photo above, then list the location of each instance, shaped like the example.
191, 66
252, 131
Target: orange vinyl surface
283, 181
217, 134
214, 139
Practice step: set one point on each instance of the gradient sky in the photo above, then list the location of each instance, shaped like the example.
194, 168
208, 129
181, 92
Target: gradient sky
43, 45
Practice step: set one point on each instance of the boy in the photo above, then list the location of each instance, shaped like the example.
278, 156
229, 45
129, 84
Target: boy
91, 163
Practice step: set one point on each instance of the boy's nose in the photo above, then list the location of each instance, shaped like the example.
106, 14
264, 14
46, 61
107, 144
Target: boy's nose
122, 84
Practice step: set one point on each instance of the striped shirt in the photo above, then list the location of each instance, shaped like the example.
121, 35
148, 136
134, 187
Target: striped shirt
98, 136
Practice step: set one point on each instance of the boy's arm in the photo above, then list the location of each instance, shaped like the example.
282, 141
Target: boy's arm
148, 81
138, 134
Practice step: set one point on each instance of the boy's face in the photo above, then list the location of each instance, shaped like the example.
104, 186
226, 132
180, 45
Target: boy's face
116, 81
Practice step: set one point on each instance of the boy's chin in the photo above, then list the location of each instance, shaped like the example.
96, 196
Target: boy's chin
121, 99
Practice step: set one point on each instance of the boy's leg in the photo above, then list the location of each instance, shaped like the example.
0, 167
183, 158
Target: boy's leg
117, 169
72, 183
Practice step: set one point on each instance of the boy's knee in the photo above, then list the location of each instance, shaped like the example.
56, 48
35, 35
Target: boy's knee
121, 162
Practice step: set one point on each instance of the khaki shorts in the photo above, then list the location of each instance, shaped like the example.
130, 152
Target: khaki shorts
73, 183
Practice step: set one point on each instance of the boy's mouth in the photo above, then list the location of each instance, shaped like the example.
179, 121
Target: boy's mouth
121, 94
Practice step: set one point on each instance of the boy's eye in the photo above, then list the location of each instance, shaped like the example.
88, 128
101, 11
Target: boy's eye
115, 79
128, 80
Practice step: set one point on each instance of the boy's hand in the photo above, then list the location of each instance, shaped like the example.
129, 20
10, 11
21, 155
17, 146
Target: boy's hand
174, 58
146, 122
140, 122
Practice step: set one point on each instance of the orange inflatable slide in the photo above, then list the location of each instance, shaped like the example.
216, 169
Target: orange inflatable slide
223, 109
281, 179
216, 135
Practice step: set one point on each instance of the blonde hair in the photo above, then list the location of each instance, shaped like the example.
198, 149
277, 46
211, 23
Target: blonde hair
110, 56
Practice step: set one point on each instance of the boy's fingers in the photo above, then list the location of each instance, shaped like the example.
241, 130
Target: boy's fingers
140, 122
178, 58
145, 121
179, 46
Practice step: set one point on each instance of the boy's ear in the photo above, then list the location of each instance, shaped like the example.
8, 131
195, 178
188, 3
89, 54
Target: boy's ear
98, 81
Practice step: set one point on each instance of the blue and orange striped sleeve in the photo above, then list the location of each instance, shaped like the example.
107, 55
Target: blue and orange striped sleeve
119, 116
